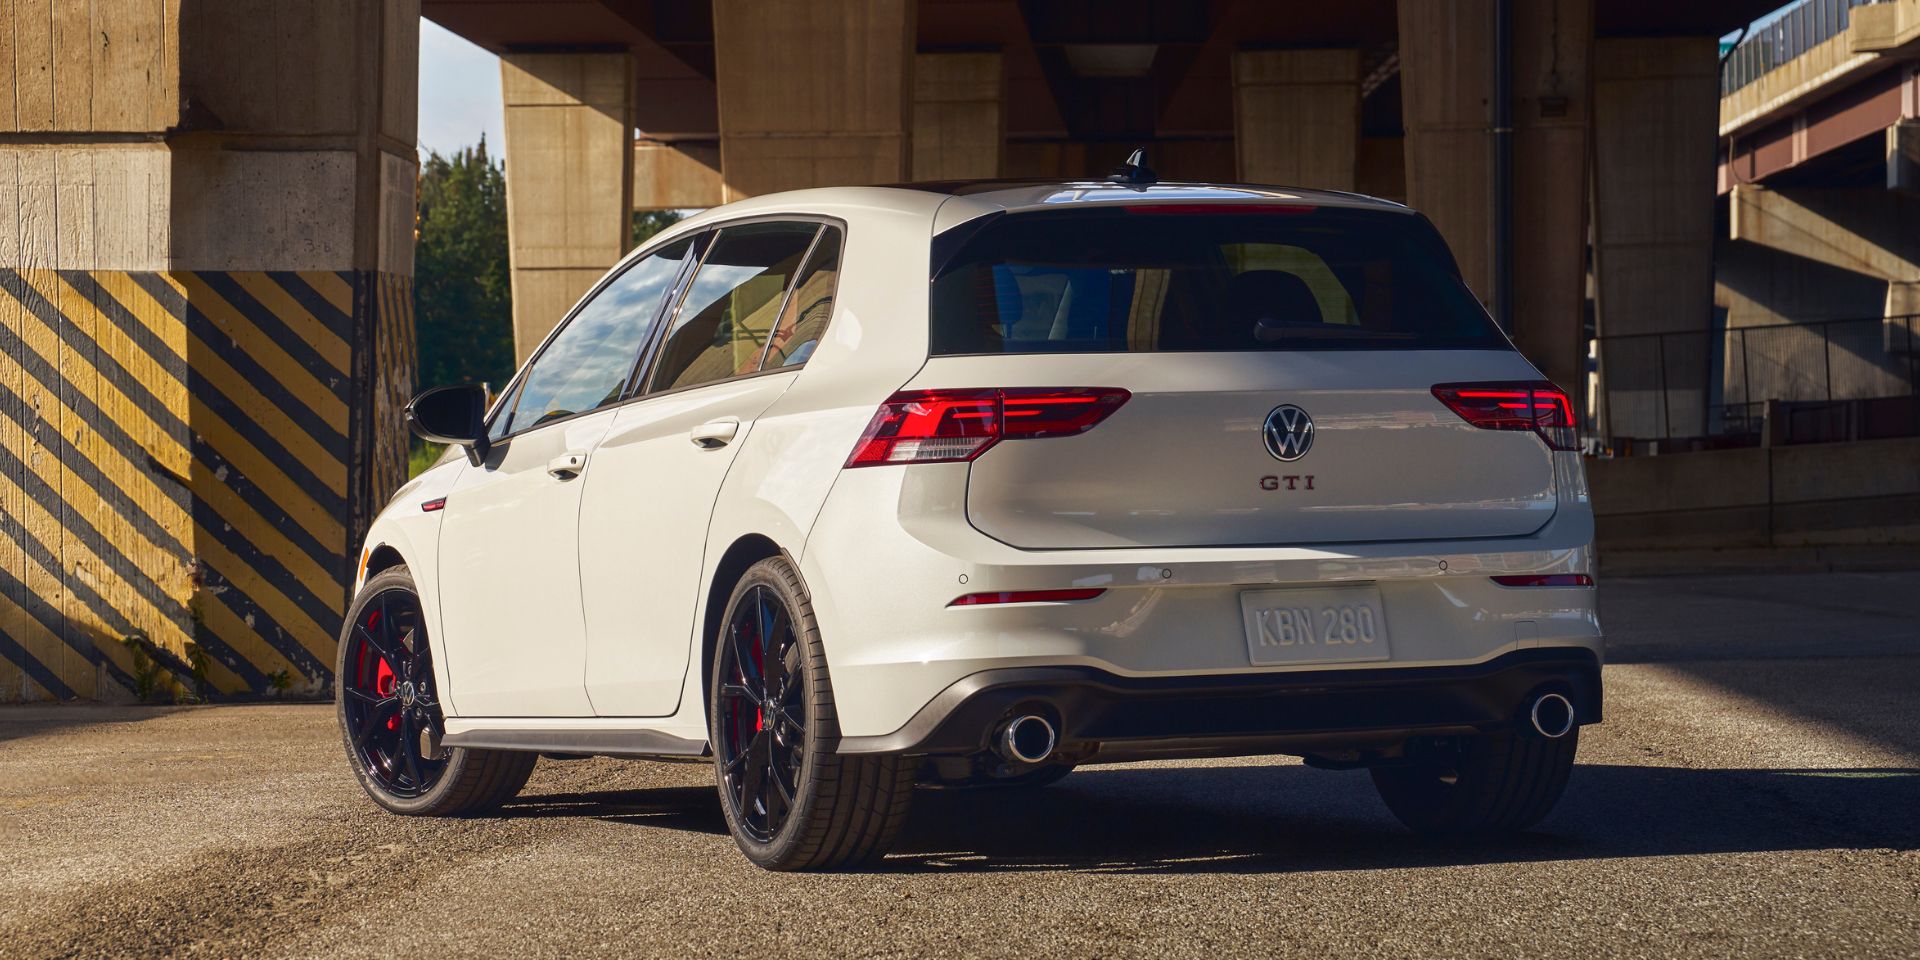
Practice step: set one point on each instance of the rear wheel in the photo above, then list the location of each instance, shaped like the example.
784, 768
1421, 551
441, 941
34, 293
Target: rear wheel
790, 801
1492, 783
390, 720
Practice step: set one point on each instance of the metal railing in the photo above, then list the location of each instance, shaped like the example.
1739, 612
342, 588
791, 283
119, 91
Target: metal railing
1792, 32
1744, 386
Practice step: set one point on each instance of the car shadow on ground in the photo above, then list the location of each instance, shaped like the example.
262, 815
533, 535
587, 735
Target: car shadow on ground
693, 809
1261, 818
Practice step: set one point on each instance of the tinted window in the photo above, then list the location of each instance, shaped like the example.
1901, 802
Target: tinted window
587, 363
1144, 279
804, 319
722, 326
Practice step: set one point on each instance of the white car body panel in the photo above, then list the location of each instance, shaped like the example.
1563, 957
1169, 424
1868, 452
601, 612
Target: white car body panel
883, 550
649, 496
510, 577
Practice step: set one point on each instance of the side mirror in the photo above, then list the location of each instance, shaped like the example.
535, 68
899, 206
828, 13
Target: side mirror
452, 415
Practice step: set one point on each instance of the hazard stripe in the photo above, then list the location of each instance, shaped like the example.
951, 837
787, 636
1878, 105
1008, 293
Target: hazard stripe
191, 456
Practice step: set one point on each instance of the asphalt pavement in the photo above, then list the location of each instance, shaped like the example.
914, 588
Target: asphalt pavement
1754, 792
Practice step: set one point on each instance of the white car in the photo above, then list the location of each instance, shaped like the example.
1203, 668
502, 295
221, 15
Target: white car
859, 489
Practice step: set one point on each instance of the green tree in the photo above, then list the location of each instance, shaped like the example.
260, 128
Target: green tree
462, 292
649, 222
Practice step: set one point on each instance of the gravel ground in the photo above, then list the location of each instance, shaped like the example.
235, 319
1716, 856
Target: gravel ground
1754, 792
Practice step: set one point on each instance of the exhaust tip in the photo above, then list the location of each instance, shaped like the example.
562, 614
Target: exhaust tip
1551, 716
1027, 739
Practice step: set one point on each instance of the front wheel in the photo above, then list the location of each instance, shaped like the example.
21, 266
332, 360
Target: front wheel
389, 708
790, 801
1491, 783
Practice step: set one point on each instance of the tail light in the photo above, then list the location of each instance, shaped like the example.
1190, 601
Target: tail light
1540, 407
940, 426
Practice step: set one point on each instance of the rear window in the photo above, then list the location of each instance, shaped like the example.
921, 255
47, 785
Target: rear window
1144, 279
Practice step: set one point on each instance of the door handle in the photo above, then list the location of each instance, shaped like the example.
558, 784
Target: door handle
714, 433
567, 465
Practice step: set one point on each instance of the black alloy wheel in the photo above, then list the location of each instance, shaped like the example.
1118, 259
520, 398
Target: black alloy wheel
763, 713
388, 697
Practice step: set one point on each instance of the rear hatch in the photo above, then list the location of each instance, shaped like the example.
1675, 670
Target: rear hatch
1279, 365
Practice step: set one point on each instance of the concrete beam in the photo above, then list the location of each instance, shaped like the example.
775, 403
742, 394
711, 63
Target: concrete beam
815, 94
1445, 47
569, 171
1297, 117
959, 116
677, 175
1866, 232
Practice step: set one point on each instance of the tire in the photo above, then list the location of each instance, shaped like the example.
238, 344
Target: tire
841, 811
1500, 783
382, 707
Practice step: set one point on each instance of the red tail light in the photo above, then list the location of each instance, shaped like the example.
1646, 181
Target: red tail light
938, 426
1544, 580
1027, 596
1540, 407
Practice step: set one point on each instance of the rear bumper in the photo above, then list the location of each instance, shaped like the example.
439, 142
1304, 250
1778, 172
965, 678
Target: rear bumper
1103, 715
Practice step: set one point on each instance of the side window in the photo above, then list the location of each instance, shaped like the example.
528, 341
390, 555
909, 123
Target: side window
729, 311
587, 363
804, 320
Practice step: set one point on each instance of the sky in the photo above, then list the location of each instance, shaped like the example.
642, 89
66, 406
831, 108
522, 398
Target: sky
459, 93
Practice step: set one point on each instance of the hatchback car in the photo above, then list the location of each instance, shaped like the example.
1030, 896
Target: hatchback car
861, 489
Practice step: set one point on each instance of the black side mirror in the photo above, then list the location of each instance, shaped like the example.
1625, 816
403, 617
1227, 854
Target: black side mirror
452, 415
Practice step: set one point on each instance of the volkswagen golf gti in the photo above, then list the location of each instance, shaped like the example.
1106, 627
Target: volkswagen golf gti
861, 490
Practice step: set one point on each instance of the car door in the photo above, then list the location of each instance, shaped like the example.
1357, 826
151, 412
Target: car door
733, 347
509, 547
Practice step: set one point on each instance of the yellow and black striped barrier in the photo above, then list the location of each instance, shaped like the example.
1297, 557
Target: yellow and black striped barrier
187, 463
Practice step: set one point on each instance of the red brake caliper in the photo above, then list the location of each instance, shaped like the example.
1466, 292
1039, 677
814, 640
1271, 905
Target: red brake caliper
760, 669
384, 680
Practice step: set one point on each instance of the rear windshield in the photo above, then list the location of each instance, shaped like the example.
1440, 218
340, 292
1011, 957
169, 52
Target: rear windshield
1142, 279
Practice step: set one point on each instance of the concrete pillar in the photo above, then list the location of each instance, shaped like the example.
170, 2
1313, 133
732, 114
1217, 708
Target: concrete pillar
959, 116
1445, 49
814, 94
206, 335
1553, 119
1656, 103
1297, 117
1446, 76
569, 170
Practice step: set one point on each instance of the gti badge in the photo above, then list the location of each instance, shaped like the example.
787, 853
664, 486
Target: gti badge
1289, 432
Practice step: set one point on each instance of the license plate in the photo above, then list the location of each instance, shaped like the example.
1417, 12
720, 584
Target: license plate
1316, 625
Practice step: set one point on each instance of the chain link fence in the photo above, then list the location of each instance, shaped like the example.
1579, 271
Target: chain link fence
1747, 386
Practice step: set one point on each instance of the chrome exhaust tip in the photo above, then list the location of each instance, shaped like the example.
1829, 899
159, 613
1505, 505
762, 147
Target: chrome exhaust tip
1027, 739
1551, 716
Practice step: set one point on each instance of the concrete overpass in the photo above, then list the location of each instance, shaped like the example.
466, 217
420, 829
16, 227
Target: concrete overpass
205, 212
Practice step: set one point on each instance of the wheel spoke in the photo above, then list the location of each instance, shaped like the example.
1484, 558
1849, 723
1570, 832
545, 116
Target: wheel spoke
777, 798
374, 721
742, 653
365, 697
756, 755
732, 691
410, 745
379, 645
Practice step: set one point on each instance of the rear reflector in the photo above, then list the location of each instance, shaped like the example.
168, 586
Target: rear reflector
1537, 406
941, 426
1544, 580
1026, 596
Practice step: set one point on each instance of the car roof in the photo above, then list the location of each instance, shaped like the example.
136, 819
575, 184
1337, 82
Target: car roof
1016, 194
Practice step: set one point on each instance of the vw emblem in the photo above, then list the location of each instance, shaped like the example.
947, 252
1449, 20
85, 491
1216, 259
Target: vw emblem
1289, 432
